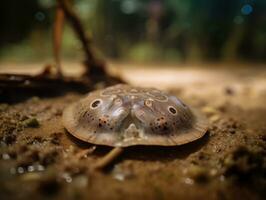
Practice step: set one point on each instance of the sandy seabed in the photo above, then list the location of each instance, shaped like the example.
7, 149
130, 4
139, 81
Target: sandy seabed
40, 160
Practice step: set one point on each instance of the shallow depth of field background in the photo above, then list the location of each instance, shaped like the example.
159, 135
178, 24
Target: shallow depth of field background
142, 31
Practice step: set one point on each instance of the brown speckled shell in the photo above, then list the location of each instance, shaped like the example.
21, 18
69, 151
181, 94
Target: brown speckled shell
124, 115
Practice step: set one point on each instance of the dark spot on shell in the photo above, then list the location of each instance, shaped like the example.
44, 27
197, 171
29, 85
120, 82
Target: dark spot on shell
172, 110
95, 103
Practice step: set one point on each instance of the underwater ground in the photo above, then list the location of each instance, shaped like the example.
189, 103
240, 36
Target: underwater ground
40, 160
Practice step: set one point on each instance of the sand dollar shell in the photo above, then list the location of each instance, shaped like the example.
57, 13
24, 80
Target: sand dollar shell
124, 115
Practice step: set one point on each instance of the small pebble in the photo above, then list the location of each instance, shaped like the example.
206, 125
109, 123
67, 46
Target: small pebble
189, 181
222, 178
67, 177
228, 161
20, 170
5, 156
209, 111
215, 118
213, 172
35, 99
121, 174
30, 168
40, 168
31, 122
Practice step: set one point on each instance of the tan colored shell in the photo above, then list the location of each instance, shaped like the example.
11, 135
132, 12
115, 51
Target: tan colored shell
124, 115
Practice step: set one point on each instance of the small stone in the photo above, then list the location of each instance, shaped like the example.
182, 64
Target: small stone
5, 156
40, 168
215, 118
213, 172
228, 161
121, 174
189, 181
209, 110
70, 149
35, 99
222, 178
67, 177
20, 170
30, 168
31, 122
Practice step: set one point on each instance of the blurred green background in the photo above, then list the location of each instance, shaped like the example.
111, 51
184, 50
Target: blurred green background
140, 30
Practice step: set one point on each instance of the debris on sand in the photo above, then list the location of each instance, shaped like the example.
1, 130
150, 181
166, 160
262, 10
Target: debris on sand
31, 123
212, 113
209, 111
45, 162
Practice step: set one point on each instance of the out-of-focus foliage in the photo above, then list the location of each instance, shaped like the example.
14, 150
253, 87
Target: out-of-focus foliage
144, 30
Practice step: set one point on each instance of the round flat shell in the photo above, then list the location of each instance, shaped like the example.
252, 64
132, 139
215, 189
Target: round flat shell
124, 115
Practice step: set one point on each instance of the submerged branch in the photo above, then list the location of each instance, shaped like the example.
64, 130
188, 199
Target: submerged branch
108, 158
45, 80
28, 81
95, 67
57, 37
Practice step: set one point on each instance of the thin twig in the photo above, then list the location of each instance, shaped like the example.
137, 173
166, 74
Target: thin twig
57, 37
85, 152
108, 159
95, 67
45, 79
